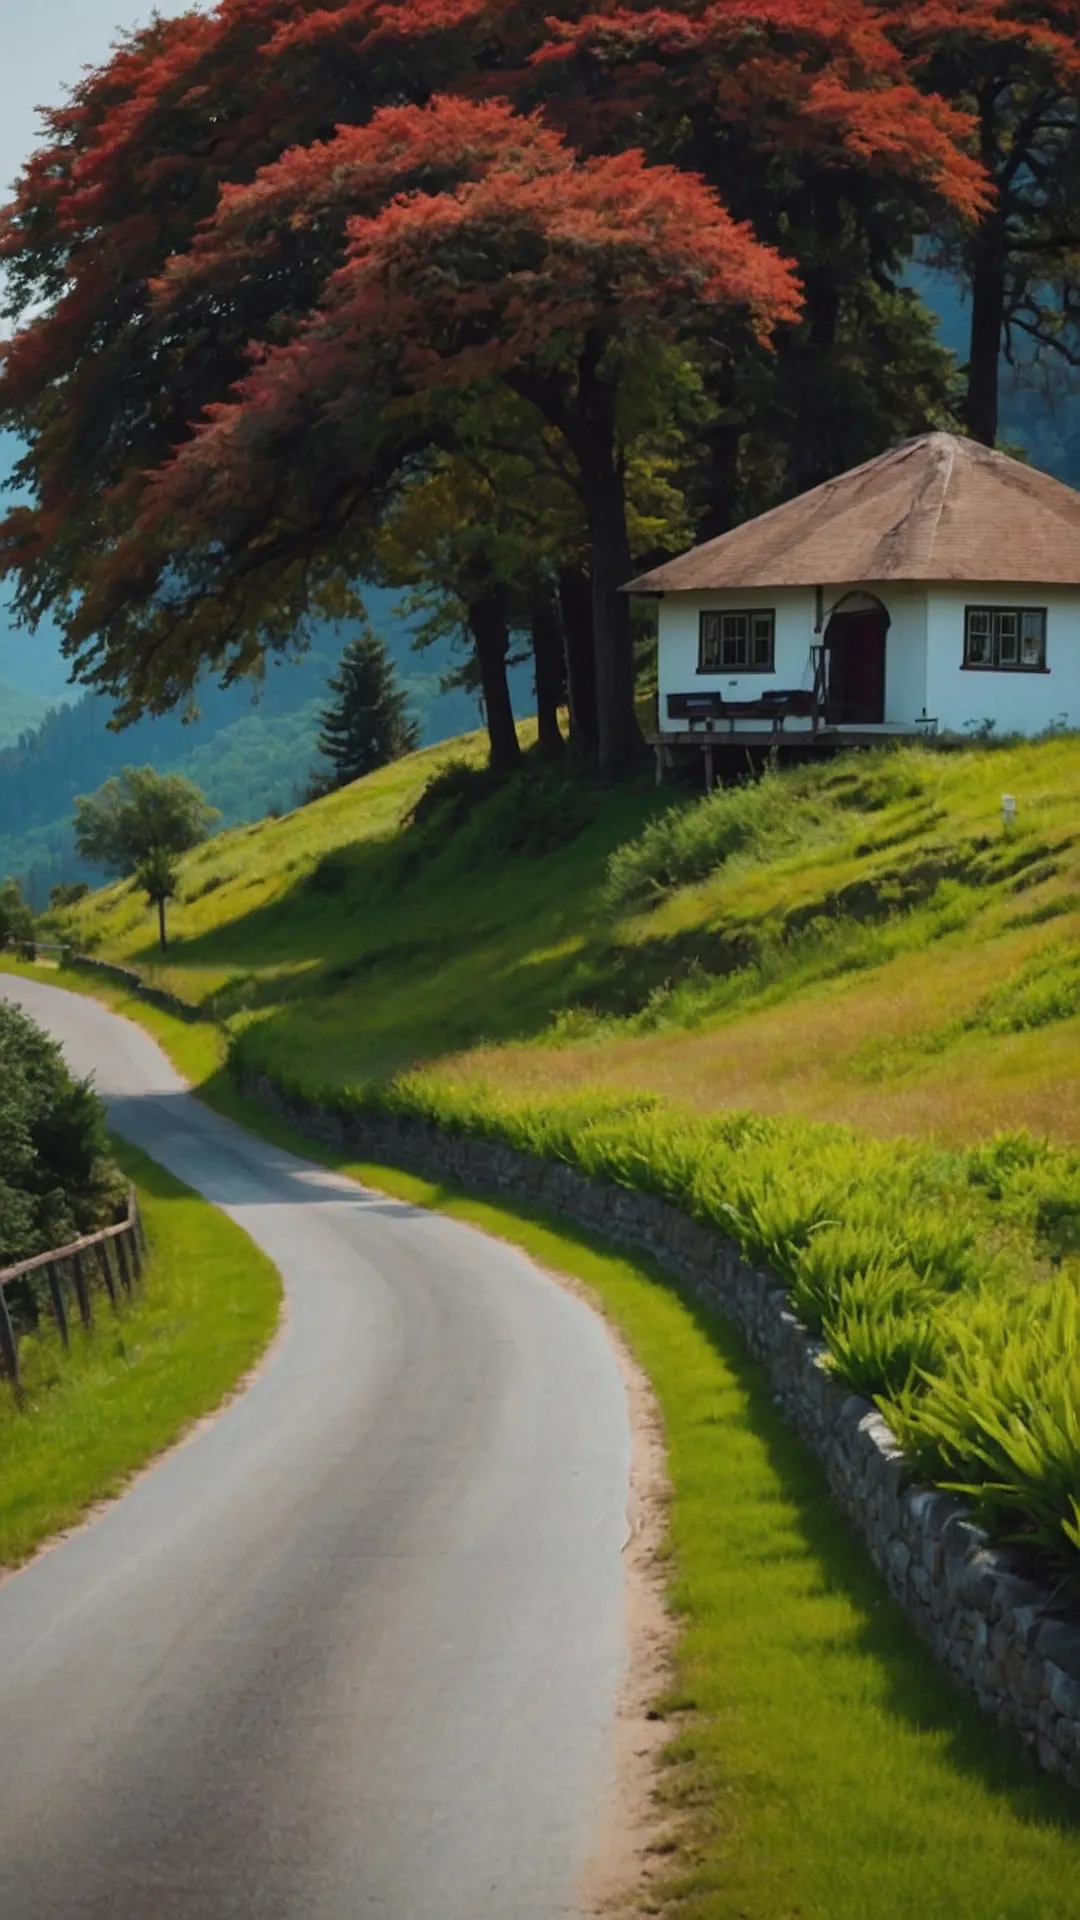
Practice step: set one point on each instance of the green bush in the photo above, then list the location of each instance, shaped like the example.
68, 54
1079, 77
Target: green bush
475, 816
686, 844
1000, 1422
56, 1177
881, 1331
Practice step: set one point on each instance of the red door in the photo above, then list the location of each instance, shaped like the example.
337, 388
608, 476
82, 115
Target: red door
856, 650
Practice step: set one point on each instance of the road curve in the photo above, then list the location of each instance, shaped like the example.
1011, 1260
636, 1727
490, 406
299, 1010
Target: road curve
353, 1649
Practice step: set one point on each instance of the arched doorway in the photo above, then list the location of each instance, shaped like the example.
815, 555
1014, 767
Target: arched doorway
855, 661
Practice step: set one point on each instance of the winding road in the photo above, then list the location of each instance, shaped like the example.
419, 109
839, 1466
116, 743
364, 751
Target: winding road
353, 1649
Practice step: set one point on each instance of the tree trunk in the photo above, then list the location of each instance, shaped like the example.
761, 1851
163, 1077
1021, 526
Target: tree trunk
816, 449
575, 601
491, 637
987, 322
549, 660
619, 737
603, 494
161, 924
723, 444
587, 423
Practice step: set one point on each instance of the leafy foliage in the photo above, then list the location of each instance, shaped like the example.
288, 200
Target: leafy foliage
133, 819
1015, 67
16, 919
509, 205
56, 1179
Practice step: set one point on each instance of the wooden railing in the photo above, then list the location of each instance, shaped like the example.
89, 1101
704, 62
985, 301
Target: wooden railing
73, 1267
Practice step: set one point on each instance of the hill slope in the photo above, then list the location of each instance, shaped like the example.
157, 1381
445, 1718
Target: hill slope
251, 756
862, 940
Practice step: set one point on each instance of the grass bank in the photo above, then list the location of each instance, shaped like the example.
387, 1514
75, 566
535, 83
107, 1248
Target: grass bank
824, 1767
860, 941
128, 1388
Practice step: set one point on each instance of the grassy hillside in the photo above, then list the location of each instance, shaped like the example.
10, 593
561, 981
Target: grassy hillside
861, 941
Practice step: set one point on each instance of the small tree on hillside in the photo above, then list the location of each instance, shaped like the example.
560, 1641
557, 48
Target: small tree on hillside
136, 815
140, 824
158, 875
368, 724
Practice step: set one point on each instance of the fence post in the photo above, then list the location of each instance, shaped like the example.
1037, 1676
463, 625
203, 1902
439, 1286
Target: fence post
122, 1257
56, 1291
106, 1271
138, 1233
7, 1344
81, 1289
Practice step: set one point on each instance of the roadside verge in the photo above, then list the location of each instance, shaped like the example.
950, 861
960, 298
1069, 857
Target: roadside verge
130, 1387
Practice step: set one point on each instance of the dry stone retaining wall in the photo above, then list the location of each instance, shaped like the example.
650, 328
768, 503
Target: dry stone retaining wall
998, 1633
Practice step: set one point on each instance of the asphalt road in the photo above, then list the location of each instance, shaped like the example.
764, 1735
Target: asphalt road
353, 1648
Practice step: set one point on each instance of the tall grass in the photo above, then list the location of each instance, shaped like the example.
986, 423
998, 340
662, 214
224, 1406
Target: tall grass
687, 844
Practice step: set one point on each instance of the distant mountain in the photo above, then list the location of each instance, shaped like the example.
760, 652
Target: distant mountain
19, 712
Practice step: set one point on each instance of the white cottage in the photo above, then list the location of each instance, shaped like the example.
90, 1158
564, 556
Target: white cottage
935, 588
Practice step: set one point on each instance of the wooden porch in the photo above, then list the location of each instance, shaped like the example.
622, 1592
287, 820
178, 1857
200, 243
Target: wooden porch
783, 725
726, 756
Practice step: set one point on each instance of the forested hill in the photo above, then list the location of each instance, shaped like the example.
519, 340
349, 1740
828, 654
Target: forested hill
20, 712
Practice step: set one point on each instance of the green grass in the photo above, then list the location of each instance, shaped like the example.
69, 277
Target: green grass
128, 1388
843, 941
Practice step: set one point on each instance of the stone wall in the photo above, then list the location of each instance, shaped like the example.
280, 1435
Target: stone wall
998, 1633
134, 982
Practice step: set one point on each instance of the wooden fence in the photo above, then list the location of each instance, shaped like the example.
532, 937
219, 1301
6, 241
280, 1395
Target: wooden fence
72, 1268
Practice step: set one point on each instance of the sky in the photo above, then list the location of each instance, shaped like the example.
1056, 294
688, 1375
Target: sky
46, 44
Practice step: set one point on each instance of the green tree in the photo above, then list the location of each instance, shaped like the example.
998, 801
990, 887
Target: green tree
140, 814
16, 919
140, 824
56, 1180
367, 725
158, 876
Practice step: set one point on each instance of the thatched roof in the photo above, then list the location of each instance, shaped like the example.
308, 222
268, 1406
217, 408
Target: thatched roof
936, 508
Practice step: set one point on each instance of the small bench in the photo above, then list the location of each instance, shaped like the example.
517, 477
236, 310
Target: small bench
774, 706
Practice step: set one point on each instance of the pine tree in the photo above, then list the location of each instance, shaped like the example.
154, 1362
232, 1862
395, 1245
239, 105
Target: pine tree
368, 723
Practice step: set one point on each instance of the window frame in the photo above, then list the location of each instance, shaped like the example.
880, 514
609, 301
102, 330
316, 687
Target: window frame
994, 615
750, 615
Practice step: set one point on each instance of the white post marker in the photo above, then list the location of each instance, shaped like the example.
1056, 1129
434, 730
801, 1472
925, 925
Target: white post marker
1008, 810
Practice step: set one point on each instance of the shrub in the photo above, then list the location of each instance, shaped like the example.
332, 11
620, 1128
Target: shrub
1001, 1425
686, 844
882, 1333
56, 1179
482, 816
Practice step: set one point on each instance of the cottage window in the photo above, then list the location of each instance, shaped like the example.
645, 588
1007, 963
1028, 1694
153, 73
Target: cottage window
1011, 639
742, 642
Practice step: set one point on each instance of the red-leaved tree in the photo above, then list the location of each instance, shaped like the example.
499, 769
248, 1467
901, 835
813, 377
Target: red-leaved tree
186, 206
551, 276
